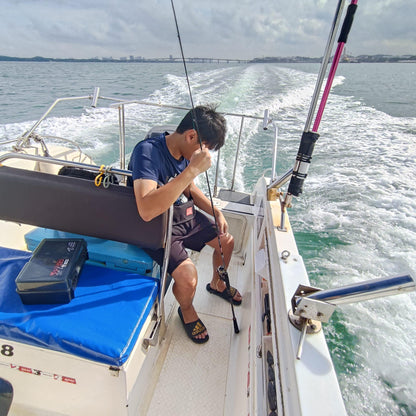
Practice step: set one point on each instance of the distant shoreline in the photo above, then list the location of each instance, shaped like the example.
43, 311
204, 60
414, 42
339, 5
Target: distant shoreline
292, 59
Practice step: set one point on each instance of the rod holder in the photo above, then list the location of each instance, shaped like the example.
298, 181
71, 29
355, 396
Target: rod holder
95, 96
313, 303
370, 289
311, 306
266, 119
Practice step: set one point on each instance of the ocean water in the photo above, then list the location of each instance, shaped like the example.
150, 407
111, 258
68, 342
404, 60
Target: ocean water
356, 219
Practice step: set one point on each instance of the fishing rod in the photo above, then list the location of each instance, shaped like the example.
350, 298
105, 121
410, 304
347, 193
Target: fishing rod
342, 40
309, 137
221, 270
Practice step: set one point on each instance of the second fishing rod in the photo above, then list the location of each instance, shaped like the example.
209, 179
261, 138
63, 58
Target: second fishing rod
222, 269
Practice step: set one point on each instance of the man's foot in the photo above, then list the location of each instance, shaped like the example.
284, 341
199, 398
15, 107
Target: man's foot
219, 288
195, 330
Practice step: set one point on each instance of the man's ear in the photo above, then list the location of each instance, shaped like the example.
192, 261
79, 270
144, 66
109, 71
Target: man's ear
191, 136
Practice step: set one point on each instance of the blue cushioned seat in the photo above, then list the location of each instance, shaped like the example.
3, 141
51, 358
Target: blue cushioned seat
102, 323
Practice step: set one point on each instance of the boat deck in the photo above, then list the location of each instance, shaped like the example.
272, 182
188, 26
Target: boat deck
186, 364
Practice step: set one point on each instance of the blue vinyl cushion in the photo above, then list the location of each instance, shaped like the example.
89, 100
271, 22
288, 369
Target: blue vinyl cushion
102, 323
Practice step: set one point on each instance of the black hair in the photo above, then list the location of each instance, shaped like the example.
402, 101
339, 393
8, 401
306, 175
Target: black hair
210, 125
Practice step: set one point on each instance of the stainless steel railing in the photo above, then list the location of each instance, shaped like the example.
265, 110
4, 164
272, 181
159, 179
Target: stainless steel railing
120, 104
61, 162
266, 121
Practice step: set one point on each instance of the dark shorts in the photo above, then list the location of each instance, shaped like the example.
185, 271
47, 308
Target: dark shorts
193, 234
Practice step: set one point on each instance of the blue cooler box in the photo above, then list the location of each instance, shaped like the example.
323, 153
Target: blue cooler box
106, 253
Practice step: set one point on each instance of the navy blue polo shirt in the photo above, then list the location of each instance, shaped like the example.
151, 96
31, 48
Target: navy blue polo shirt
151, 159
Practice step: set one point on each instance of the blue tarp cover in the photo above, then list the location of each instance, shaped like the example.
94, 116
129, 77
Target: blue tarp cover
102, 323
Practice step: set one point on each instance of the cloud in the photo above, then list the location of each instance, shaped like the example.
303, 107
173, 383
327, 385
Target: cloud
218, 28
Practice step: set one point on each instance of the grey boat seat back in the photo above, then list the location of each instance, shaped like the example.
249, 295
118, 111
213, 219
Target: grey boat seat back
76, 205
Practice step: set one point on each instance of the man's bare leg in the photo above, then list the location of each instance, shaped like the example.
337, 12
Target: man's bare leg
185, 281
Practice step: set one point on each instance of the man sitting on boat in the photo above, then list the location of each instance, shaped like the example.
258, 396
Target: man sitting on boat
163, 171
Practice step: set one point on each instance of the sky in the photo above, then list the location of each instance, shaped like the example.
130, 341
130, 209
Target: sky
242, 29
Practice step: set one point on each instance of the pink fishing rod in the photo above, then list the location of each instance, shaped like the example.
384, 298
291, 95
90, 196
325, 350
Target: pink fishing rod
342, 40
309, 137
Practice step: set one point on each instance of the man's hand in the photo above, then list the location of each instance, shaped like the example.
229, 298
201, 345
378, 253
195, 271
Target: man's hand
221, 222
200, 160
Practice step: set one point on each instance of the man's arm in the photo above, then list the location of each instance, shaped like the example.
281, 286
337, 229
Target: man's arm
152, 201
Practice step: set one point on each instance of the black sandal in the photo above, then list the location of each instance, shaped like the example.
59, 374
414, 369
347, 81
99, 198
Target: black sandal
228, 295
193, 329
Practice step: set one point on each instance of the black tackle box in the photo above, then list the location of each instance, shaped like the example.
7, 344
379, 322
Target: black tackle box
51, 275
